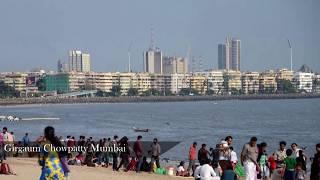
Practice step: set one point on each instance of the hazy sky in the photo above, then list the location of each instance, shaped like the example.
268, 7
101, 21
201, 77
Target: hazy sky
36, 33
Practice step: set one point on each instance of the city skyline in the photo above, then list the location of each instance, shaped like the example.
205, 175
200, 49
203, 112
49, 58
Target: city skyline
30, 40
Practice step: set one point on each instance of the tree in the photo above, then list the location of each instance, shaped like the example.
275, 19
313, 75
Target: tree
167, 92
41, 84
8, 91
133, 92
188, 91
116, 90
151, 92
100, 93
285, 86
210, 92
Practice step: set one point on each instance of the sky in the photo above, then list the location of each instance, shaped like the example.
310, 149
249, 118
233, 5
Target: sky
36, 33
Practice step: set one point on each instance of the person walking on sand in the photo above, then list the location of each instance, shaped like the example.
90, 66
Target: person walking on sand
138, 150
155, 152
249, 156
49, 160
192, 157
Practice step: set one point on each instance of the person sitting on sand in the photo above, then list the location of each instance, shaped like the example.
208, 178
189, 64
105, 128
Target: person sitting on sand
207, 172
181, 170
5, 169
79, 159
196, 173
145, 166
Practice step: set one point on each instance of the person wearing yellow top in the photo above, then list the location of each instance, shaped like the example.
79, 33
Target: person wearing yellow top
49, 160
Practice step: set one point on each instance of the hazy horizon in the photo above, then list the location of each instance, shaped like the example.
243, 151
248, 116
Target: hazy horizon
37, 33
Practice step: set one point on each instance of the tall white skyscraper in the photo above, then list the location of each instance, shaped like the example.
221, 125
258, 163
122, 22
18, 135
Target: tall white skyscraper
229, 54
153, 61
79, 62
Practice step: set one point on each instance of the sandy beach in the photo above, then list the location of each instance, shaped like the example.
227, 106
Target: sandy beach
28, 169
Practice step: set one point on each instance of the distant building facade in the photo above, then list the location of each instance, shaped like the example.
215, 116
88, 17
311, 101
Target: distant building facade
229, 54
303, 81
173, 65
79, 61
153, 61
250, 82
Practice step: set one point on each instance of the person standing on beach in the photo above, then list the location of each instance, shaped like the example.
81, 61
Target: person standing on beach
281, 154
263, 161
295, 149
26, 140
49, 160
203, 154
224, 155
192, 157
114, 144
290, 165
302, 159
4, 137
138, 150
229, 140
155, 152
249, 156
315, 166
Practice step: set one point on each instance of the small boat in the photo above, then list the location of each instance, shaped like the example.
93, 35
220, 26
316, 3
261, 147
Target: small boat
9, 118
140, 130
15, 118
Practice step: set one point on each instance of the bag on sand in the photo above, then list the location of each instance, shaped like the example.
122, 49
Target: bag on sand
161, 171
5, 169
239, 170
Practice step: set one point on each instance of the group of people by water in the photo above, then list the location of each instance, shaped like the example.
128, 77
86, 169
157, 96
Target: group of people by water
221, 162
253, 163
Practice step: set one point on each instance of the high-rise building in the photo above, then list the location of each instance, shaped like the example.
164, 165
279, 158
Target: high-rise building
79, 62
153, 61
229, 54
173, 65
62, 66
222, 61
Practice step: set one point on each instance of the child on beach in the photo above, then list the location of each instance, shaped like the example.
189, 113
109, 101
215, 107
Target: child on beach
263, 161
300, 174
290, 164
181, 170
272, 164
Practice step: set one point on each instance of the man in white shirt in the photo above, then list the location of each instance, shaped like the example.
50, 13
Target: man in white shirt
205, 172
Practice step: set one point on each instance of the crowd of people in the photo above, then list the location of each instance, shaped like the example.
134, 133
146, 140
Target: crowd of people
221, 162
254, 162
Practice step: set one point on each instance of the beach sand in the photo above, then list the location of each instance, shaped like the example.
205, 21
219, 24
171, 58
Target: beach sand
28, 169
